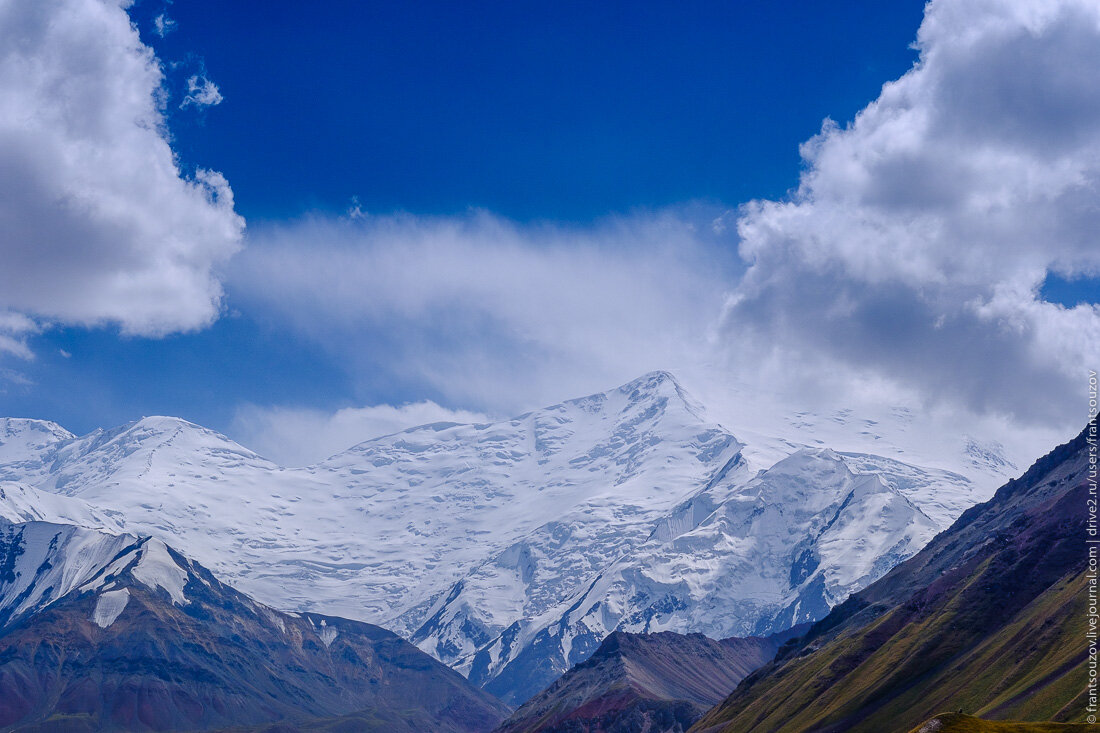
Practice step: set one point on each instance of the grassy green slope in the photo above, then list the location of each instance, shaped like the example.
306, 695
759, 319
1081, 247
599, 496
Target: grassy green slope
1028, 669
955, 723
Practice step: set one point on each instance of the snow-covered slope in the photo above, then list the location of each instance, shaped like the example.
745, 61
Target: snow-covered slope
26, 446
22, 503
771, 427
382, 529
512, 547
42, 563
604, 467
746, 556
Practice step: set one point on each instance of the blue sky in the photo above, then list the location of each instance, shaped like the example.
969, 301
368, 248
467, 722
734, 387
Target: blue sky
530, 110
491, 206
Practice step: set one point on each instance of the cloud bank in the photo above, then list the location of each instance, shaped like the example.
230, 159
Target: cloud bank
100, 225
483, 312
300, 436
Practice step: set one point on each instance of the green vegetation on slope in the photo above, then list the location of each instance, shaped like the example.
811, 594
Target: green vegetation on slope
1028, 669
955, 723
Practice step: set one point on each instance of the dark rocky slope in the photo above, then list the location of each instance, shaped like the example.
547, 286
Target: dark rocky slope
642, 682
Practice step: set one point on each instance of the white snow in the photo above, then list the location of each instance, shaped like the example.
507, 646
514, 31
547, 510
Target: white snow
54, 560
327, 634
156, 569
731, 573
24, 443
378, 532
109, 606
22, 503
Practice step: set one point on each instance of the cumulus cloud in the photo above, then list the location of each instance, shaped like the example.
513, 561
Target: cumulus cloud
100, 224
912, 253
479, 311
299, 437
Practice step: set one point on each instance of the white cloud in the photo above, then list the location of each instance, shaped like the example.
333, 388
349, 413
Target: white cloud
201, 92
163, 25
99, 224
14, 329
299, 437
489, 314
912, 252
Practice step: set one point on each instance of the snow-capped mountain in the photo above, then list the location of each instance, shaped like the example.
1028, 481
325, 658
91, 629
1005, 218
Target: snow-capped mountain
749, 555
509, 549
987, 615
118, 632
382, 529
22, 503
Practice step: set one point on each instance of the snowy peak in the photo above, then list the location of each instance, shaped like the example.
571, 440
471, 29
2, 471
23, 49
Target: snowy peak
150, 447
808, 479
652, 399
835, 529
654, 391
42, 563
160, 635
49, 457
36, 434
745, 555
987, 456
25, 443
381, 531
151, 433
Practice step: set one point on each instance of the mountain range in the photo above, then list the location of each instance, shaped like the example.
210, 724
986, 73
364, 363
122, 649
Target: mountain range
992, 617
510, 550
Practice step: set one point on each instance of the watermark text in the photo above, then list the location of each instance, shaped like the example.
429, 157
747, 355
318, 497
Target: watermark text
1093, 542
